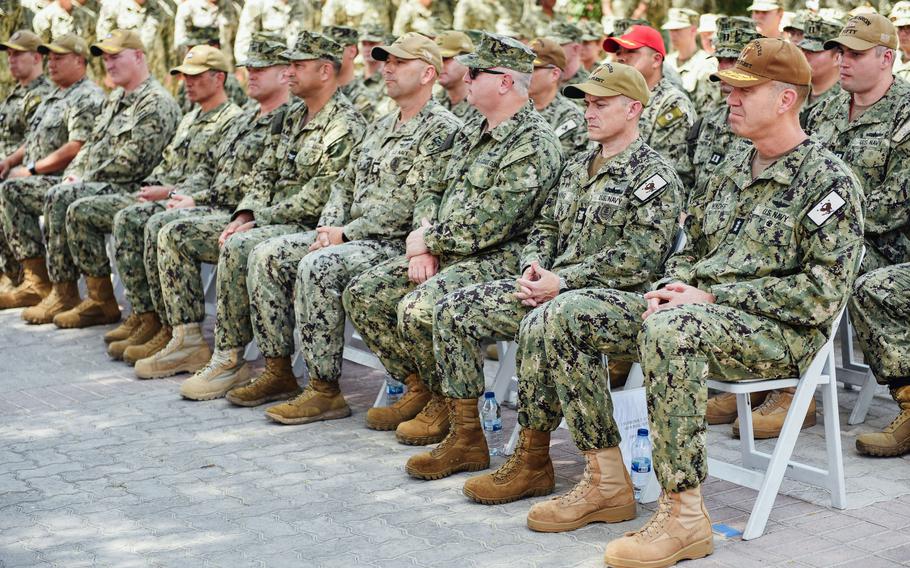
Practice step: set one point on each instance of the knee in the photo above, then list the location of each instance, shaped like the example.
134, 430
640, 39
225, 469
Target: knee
563, 316
415, 312
168, 235
451, 314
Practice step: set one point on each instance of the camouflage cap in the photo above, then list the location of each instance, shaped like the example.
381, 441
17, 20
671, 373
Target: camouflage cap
900, 14
764, 6
817, 31
865, 31
707, 23
610, 80
265, 51
474, 35
342, 35
201, 36
311, 45
733, 34
622, 25
376, 34
202, 58
680, 19
22, 40
795, 20
591, 30
411, 45
548, 53
564, 32
452, 43
69, 43
767, 59
117, 41
496, 50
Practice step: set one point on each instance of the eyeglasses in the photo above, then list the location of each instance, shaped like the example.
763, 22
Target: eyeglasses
473, 72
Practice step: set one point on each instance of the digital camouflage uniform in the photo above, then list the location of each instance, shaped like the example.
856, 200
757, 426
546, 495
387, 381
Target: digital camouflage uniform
465, 111
664, 125
124, 146
816, 32
357, 13
54, 21
384, 195
779, 253
368, 97
693, 74
195, 15
413, 16
814, 102
611, 230
879, 310
129, 15
568, 123
284, 17
495, 16
710, 141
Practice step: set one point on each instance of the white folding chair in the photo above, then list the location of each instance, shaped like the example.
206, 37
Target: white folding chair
209, 274
855, 374
119, 290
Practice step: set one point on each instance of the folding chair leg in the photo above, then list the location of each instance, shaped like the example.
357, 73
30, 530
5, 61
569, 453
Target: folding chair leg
636, 377
831, 414
251, 353
858, 416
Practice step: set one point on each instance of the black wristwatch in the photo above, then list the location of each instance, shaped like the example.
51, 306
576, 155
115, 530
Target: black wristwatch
31, 168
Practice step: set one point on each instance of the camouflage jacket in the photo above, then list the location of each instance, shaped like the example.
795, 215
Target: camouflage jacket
64, 116
463, 110
664, 125
219, 179
811, 104
693, 74
388, 189
877, 146
232, 88
580, 76
196, 134
53, 21
285, 17
784, 245
17, 110
496, 183
710, 141
413, 16
357, 13
568, 122
128, 136
128, 15
292, 181
368, 96
494, 16
613, 229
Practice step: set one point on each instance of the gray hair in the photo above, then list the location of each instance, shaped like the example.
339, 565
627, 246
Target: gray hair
521, 82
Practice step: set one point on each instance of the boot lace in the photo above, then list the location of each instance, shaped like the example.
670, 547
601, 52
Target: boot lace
902, 416
655, 524
449, 439
514, 462
580, 488
219, 359
433, 407
308, 393
770, 403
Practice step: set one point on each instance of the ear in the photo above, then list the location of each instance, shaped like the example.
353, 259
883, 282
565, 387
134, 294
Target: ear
633, 110
786, 100
505, 84
429, 75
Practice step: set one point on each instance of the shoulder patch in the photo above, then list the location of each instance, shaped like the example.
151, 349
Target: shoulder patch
670, 117
652, 186
825, 208
901, 134
566, 127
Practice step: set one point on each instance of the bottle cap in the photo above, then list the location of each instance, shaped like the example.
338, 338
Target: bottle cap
489, 394
642, 431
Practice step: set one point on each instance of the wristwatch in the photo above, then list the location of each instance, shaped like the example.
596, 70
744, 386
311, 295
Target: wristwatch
31, 168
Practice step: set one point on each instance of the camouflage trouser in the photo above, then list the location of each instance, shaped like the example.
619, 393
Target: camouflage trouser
182, 245
8, 263
271, 271
395, 317
21, 204
321, 279
88, 220
879, 310
679, 349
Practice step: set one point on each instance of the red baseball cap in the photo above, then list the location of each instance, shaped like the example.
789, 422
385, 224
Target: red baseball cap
637, 36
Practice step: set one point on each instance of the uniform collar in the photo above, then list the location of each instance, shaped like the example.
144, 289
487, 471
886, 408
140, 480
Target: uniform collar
783, 171
506, 127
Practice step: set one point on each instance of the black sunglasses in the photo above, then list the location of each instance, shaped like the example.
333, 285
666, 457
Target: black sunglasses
473, 72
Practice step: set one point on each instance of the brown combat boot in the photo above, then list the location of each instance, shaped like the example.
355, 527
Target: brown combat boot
320, 400
8, 283
34, 287
148, 327
407, 407
722, 407
277, 382
604, 494
99, 308
124, 330
527, 473
430, 425
768, 419
894, 440
186, 352
463, 449
679, 530
64, 296
135, 353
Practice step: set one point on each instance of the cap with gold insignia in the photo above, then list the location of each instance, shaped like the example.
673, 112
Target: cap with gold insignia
452, 43
342, 35
900, 14
591, 30
707, 23
767, 59
203, 58
68, 43
376, 34
866, 31
564, 32
117, 41
610, 80
549, 53
764, 6
22, 40
311, 45
733, 34
411, 45
680, 19
265, 51
495, 50
817, 31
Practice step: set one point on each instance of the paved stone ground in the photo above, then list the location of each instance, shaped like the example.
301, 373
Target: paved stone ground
100, 469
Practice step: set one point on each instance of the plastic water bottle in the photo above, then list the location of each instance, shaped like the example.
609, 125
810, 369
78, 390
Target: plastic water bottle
641, 461
492, 423
393, 389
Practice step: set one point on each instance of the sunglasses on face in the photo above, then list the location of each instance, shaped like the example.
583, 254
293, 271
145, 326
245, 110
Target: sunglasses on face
473, 72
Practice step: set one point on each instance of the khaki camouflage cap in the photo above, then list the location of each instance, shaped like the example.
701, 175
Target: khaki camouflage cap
622, 25
376, 34
203, 58
610, 80
265, 51
452, 43
200, 36
117, 41
411, 45
499, 51
591, 30
564, 32
707, 23
866, 31
548, 53
311, 45
680, 19
733, 34
817, 31
764, 6
900, 14
767, 59
342, 35
22, 40
69, 43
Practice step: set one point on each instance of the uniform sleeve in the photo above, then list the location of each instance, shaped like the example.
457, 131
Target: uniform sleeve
82, 115
888, 206
337, 209
544, 235
674, 120
262, 178
679, 267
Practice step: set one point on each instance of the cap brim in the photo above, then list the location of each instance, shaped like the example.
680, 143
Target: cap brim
447, 53
297, 56
762, 7
853, 43
899, 22
812, 45
726, 53
190, 69
675, 26
13, 46
382, 53
474, 61
613, 44
738, 78
99, 48
260, 63
579, 91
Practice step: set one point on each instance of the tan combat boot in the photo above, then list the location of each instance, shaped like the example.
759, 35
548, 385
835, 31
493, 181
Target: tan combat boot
7, 283
722, 407
34, 287
894, 440
148, 327
527, 473
124, 330
320, 400
407, 407
64, 296
679, 530
430, 425
604, 494
99, 308
225, 370
463, 449
768, 419
186, 352
277, 382
135, 353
